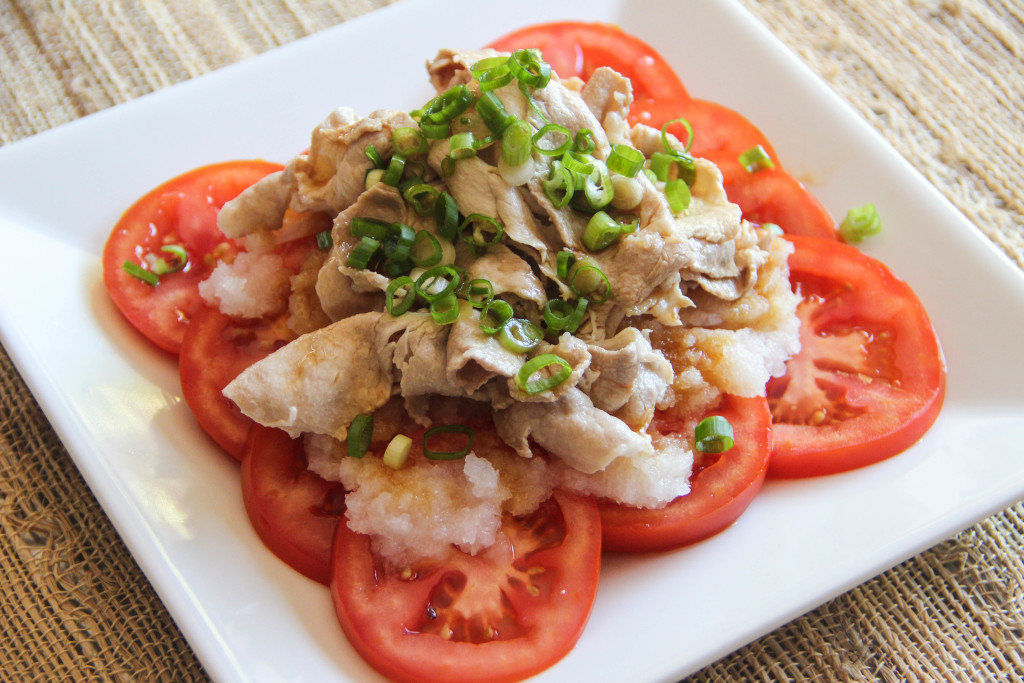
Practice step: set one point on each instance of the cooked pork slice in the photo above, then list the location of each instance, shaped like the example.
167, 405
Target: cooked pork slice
322, 380
260, 207
585, 437
608, 95
332, 175
627, 377
508, 273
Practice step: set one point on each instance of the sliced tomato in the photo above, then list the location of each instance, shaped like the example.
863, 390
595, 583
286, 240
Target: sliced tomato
870, 376
182, 211
503, 615
723, 484
293, 510
235, 344
575, 48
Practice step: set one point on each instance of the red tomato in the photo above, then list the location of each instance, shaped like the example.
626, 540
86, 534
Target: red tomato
503, 615
182, 211
576, 48
236, 344
293, 510
870, 376
723, 484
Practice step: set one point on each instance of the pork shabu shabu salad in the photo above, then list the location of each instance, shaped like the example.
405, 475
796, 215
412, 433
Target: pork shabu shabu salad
561, 308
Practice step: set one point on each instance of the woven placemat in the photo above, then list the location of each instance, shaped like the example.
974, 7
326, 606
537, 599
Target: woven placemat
942, 80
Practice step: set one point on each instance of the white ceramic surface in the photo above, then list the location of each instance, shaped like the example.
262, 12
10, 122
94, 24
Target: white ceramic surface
117, 405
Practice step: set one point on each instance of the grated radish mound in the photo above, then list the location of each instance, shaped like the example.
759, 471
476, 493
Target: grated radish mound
421, 510
252, 286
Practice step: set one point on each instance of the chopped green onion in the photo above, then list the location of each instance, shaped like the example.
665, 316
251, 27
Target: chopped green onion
563, 262
373, 176
140, 273
559, 186
397, 268
408, 142
449, 453
445, 309
664, 135
629, 224
399, 241
422, 197
481, 225
678, 195
435, 131
525, 90
663, 163
493, 112
364, 251
586, 280
368, 227
597, 187
447, 278
859, 223
426, 250
494, 315
529, 67
625, 160
492, 73
581, 166
161, 267
584, 142
713, 435
397, 451
460, 146
324, 240
561, 316
545, 132
515, 143
397, 306
479, 291
393, 175
374, 156
543, 364
519, 336
360, 434
773, 228
756, 159
446, 214
449, 104
601, 232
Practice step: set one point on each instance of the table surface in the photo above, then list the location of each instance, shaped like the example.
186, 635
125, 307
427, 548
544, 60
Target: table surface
941, 80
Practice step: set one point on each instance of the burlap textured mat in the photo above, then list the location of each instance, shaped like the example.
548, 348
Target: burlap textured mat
943, 80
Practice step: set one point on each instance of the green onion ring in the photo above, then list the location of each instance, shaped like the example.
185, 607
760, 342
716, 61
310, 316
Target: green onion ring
515, 143
859, 223
602, 231
583, 142
479, 222
585, 278
324, 240
597, 186
445, 309
528, 66
479, 291
426, 250
497, 310
713, 435
689, 134
162, 268
360, 434
408, 142
464, 430
563, 262
559, 186
449, 104
678, 195
755, 159
446, 214
538, 364
493, 112
394, 305
544, 132
368, 227
374, 156
561, 316
399, 241
519, 336
625, 160
432, 276
393, 176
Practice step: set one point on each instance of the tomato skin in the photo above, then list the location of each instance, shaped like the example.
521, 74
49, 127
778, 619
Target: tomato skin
574, 48
236, 344
721, 492
293, 510
833, 414
181, 211
380, 612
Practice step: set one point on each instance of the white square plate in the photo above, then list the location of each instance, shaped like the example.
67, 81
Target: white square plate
117, 405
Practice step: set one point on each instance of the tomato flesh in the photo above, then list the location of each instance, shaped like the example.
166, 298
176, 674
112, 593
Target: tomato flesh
293, 510
503, 615
870, 377
182, 211
723, 484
